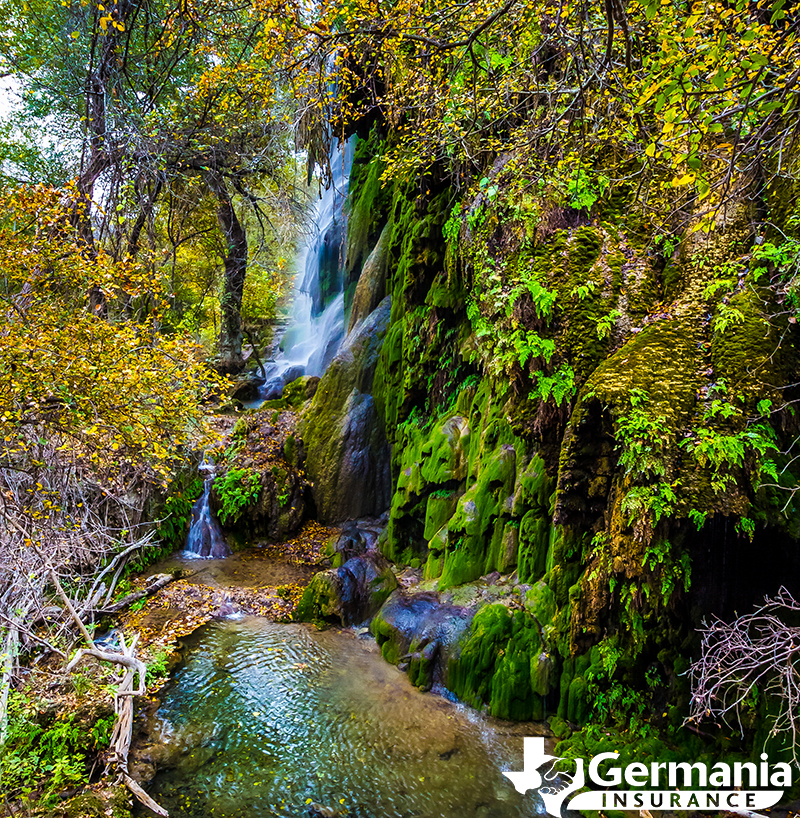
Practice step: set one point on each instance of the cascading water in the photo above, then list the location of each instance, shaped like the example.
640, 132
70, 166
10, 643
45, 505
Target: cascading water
316, 325
205, 537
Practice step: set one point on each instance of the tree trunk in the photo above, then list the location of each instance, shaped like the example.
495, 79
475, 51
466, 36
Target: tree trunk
100, 149
230, 336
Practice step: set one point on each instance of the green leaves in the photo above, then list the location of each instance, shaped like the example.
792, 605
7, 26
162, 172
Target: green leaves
644, 437
237, 489
560, 386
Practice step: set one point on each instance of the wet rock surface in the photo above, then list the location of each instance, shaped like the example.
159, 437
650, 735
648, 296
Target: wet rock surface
418, 633
350, 594
347, 456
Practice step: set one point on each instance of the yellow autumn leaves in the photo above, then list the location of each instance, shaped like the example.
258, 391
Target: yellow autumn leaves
115, 391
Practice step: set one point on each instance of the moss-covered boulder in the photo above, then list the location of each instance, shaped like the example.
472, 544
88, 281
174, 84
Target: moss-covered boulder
350, 594
419, 632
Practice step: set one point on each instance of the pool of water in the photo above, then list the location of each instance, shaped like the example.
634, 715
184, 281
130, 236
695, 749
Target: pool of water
267, 719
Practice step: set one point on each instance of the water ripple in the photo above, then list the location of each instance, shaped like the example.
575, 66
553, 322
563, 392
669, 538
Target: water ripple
265, 719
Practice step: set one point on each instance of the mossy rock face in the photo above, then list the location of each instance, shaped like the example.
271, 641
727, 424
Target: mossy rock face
544, 673
109, 802
352, 593
558, 325
300, 390
371, 287
347, 456
534, 539
512, 687
748, 349
443, 293
472, 672
388, 375
432, 469
560, 728
541, 602
480, 515
578, 704
367, 204
498, 664
422, 666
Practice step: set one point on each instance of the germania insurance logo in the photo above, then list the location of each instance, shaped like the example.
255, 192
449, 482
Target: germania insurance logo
656, 786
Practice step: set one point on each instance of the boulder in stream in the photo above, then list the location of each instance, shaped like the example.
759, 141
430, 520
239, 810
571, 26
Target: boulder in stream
351, 594
418, 633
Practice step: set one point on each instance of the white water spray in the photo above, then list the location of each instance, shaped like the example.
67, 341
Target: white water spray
205, 537
316, 325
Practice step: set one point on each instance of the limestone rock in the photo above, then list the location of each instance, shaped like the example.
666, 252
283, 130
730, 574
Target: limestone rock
351, 594
347, 456
371, 287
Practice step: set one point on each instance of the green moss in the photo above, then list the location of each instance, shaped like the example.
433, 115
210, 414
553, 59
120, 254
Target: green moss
662, 360
422, 665
534, 539
642, 291
512, 691
111, 802
438, 511
495, 665
748, 351
478, 519
541, 602
560, 728
534, 488
582, 298
416, 248
445, 292
388, 377
470, 675
320, 601
579, 707
367, 204
388, 639
615, 262
435, 562
295, 394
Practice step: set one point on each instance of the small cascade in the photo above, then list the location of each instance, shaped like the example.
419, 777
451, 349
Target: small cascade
205, 538
316, 326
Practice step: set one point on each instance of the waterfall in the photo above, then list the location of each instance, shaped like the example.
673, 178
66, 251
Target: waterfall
316, 324
205, 537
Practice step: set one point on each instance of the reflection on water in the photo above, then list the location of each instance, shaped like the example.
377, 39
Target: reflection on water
266, 719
